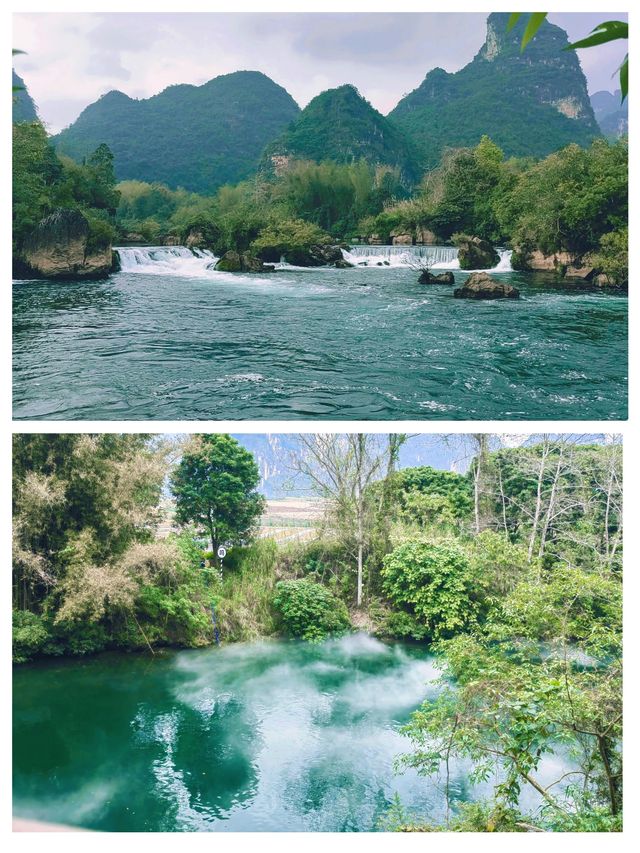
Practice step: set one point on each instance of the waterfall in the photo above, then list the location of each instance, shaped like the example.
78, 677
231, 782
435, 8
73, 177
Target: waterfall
439, 257
163, 260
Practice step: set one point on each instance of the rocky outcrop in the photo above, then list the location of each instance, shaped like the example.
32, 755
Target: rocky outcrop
401, 239
425, 237
196, 238
480, 285
171, 240
377, 240
474, 253
427, 277
535, 260
343, 265
236, 262
582, 272
313, 256
60, 247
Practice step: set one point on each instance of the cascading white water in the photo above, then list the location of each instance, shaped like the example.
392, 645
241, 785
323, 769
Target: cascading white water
160, 260
439, 257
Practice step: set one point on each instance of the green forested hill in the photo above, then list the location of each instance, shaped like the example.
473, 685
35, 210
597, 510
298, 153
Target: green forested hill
196, 137
340, 125
24, 108
530, 103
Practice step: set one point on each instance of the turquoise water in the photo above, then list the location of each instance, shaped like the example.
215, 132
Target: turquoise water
274, 736
176, 341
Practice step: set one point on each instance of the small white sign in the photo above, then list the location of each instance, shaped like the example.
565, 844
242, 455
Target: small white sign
222, 552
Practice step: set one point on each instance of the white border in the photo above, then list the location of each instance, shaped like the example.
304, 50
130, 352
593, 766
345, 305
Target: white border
628, 429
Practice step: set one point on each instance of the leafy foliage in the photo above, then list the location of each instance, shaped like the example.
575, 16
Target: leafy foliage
309, 610
215, 487
434, 583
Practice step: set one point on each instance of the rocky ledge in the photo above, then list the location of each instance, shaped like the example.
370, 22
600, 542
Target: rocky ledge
480, 285
60, 247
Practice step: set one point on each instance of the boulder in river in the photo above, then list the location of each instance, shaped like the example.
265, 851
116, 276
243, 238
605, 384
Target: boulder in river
236, 262
480, 285
318, 255
60, 247
343, 265
427, 277
474, 253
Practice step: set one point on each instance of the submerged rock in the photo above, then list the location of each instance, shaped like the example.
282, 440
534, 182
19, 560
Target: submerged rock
480, 285
60, 247
427, 277
474, 253
236, 262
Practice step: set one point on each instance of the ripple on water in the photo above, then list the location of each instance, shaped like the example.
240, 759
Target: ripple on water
353, 344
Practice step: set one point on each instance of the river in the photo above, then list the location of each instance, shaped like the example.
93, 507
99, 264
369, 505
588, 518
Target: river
168, 338
270, 736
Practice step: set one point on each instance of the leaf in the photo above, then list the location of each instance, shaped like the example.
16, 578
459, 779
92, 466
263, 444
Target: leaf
624, 78
514, 17
536, 19
15, 52
604, 32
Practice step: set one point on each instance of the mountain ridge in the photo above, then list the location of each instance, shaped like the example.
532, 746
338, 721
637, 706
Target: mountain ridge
548, 104
231, 117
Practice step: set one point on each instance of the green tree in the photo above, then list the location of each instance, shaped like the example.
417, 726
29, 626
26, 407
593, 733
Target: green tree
215, 486
433, 582
309, 610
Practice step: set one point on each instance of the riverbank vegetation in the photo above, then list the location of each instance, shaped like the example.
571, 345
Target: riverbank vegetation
572, 205
44, 181
510, 572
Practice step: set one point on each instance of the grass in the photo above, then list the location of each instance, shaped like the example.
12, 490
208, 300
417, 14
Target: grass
244, 610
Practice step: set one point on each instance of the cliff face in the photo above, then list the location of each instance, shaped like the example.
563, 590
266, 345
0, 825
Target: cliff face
59, 248
530, 103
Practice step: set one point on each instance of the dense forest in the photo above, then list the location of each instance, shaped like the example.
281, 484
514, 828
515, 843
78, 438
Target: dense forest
203, 136
511, 573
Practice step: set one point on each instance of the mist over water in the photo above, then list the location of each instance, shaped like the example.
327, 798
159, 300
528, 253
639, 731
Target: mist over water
169, 338
273, 736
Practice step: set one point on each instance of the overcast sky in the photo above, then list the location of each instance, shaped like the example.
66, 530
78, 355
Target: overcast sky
72, 59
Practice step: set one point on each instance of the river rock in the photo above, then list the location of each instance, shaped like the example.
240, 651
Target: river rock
59, 248
427, 277
313, 256
236, 262
343, 265
480, 285
474, 253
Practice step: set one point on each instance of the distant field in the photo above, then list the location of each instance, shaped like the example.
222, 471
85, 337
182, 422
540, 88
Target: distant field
284, 520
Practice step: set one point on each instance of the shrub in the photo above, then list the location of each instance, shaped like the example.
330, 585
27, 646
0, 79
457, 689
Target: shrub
309, 610
433, 582
29, 635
